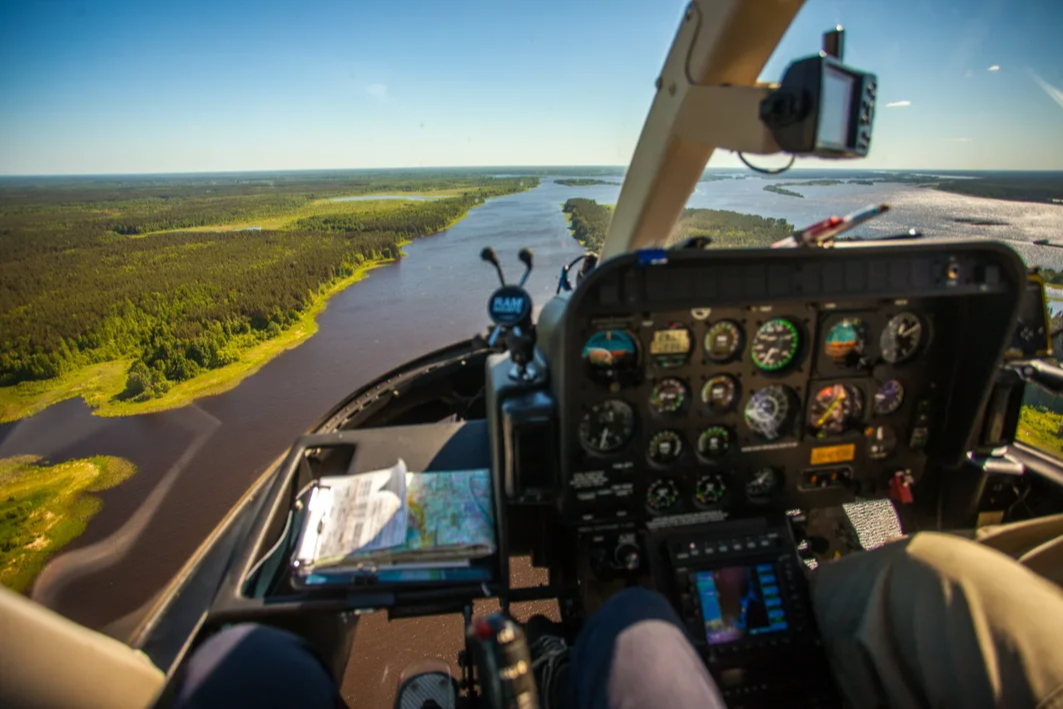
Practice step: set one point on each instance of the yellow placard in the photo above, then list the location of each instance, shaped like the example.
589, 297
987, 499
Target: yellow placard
833, 454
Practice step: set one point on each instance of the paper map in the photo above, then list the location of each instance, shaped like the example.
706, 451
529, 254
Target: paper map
356, 519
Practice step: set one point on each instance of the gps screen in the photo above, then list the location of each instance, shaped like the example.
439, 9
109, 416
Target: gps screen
740, 601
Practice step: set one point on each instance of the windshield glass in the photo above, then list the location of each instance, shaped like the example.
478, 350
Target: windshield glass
219, 219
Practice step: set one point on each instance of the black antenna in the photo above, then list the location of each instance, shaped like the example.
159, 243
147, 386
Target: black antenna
834, 43
489, 255
526, 258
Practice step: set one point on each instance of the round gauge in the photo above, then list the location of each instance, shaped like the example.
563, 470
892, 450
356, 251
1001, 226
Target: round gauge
901, 338
607, 426
665, 447
719, 392
845, 342
723, 340
668, 396
889, 397
881, 442
762, 484
714, 442
661, 495
709, 489
775, 344
834, 408
608, 353
768, 411
671, 347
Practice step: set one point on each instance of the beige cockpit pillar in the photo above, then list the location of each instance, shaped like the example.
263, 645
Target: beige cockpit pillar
719, 42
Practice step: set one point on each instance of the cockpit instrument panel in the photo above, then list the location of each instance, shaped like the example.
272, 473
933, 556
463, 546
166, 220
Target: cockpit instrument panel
717, 381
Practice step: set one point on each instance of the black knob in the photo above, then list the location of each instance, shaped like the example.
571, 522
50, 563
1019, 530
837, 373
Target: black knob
488, 254
627, 555
526, 257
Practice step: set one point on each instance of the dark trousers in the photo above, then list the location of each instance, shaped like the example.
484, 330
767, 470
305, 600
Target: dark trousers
257, 666
631, 653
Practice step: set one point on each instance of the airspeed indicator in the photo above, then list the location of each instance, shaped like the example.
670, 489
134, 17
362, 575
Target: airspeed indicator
775, 344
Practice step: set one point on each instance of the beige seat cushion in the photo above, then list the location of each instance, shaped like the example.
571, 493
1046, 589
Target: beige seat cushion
49, 661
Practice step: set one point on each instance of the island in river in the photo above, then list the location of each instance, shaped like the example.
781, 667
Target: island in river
589, 224
143, 293
44, 507
583, 182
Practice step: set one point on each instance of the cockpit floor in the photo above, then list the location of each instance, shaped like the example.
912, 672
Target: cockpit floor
384, 650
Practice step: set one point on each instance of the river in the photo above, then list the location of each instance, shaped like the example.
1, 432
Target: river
195, 462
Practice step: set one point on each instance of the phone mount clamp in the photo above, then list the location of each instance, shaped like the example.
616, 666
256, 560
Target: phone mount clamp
510, 309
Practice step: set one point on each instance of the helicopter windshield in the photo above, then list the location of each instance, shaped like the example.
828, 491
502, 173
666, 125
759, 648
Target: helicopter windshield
218, 219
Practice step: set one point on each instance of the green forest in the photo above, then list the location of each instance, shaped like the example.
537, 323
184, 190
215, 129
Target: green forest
178, 276
589, 223
583, 182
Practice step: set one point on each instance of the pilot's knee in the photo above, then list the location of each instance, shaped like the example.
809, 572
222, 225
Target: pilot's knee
633, 605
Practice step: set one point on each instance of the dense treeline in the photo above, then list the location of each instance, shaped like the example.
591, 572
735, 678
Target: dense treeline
415, 219
589, 223
583, 182
1016, 186
76, 288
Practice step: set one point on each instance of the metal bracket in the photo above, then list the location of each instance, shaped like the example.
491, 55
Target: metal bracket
726, 117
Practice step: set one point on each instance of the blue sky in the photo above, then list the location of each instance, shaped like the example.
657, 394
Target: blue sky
93, 86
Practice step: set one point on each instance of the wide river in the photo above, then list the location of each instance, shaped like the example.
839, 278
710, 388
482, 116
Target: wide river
197, 461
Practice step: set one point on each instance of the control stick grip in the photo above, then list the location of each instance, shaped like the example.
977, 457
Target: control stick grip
503, 663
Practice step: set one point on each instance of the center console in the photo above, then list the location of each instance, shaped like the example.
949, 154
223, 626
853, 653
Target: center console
742, 593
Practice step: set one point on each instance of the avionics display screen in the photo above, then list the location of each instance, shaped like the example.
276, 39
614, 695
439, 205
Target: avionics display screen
835, 108
740, 601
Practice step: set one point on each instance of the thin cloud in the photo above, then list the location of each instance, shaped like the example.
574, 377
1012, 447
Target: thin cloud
995, 67
377, 91
959, 140
898, 104
1053, 93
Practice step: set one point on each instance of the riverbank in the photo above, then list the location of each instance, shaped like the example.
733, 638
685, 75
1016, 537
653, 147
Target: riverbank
45, 507
100, 384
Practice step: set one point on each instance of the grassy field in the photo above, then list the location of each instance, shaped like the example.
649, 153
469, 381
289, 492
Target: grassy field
44, 507
1041, 428
100, 384
319, 207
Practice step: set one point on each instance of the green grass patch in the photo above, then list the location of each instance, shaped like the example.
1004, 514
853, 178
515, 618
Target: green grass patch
1042, 429
319, 208
95, 383
44, 507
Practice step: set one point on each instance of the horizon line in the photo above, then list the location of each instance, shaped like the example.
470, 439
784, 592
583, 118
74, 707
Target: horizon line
481, 168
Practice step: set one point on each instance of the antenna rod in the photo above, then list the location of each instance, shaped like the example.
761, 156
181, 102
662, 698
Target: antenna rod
834, 43
489, 255
526, 258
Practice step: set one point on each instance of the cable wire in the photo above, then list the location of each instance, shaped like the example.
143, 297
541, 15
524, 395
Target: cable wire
764, 170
